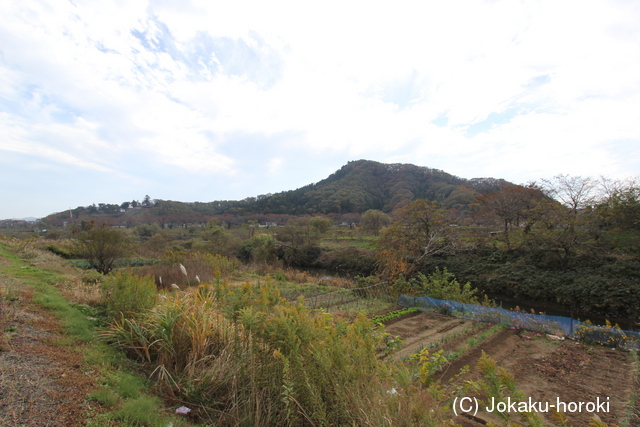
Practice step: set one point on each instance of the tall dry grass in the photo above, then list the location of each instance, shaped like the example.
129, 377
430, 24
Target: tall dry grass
246, 357
207, 267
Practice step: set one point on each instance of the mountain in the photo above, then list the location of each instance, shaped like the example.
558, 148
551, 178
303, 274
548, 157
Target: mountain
364, 184
356, 187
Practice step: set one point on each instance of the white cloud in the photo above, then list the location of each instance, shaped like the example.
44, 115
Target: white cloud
516, 88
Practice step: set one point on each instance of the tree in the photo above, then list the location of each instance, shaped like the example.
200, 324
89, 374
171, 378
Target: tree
620, 203
569, 226
420, 230
575, 192
101, 246
299, 239
320, 224
373, 220
260, 249
514, 205
560, 231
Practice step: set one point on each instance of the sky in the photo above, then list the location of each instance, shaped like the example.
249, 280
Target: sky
200, 100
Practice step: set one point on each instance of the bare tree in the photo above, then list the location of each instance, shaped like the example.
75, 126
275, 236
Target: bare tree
420, 230
575, 192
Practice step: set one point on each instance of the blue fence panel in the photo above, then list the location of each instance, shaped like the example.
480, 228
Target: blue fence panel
557, 325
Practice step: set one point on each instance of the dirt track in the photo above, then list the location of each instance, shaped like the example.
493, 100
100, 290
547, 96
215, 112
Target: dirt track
42, 383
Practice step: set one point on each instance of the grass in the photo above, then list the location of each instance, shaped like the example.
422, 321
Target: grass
74, 321
245, 356
48, 296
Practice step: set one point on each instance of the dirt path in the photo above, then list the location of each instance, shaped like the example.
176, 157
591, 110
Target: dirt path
42, 383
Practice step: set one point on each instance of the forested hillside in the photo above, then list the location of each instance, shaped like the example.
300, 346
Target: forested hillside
355, 188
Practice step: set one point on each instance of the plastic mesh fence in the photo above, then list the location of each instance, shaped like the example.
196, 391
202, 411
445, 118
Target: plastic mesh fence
558, 325
356, 299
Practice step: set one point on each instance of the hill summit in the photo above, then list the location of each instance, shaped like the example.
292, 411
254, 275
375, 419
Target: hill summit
364, 184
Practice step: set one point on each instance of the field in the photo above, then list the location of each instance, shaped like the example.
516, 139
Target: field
43, 370
544, 369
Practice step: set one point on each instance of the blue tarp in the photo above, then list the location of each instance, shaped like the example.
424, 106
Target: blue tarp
557, 325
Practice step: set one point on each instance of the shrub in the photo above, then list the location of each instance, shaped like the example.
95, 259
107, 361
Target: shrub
609, 335
260, 248
61, 251
441, 285
101, 246
126, 294
351, 259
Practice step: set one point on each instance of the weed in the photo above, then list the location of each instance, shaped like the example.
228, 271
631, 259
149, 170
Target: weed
228, 356
609, 335
429, 364
105, 396
126, 294
143, 411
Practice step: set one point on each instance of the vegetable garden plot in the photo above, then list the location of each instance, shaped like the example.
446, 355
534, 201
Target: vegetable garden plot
551, 371
558, 325
426, 330
544, 370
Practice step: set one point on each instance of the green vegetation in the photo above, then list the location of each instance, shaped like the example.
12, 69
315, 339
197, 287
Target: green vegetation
126, 294
228, 352
393, 314
609, 335
429, 364
118, 263
440, 284
101, 246
229, 345
212, 311
118, 390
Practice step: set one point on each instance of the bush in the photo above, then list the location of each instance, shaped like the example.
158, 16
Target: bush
354, 260
61, 251
299, 256
101, 246
126, 294
260, 248
441, 285
609, 335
